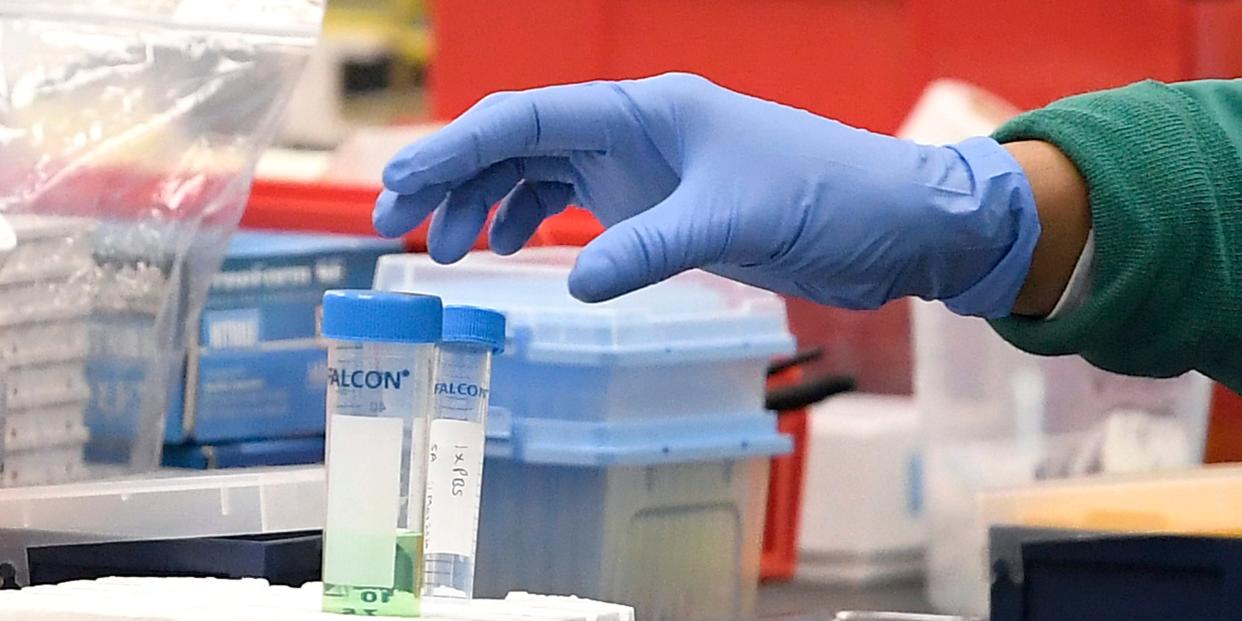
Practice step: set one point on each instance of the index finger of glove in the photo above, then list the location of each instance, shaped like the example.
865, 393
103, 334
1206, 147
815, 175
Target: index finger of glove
545, 121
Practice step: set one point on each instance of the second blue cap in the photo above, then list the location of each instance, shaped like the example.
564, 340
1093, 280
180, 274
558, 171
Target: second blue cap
470, 324
364, 315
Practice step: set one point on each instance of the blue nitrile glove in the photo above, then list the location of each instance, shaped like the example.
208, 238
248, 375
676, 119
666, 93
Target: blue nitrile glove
687, 174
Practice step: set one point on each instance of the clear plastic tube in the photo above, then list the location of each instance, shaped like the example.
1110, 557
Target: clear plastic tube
471, 336
455, 468
378, 405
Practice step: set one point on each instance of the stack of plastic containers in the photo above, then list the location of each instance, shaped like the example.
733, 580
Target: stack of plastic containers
628, 447
46, 271
996, 418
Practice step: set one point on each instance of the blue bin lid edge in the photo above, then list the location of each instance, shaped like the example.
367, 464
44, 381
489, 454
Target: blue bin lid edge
656, 441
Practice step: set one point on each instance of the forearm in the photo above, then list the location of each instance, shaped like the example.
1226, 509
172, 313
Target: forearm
1064, 218
1162, 168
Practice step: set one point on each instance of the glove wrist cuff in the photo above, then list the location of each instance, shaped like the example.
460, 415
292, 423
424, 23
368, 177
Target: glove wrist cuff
1004, 195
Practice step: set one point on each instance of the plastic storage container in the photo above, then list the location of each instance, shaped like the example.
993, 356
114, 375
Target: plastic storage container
996, 417
863, 521
173, 506
628, 448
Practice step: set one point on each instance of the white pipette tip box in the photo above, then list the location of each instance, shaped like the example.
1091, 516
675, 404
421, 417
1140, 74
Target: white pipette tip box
249, 599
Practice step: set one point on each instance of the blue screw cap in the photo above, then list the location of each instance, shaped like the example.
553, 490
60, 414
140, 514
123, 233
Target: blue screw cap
365, 315
470, 324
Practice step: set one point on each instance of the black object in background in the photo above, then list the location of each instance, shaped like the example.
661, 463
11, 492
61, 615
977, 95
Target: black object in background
807, 392
282, 558
1127, 578
277, 452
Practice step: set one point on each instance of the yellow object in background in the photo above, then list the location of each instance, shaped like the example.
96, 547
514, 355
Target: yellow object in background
401, 24
1206, 501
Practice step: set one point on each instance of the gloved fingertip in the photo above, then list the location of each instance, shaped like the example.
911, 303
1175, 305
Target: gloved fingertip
512, 225
445, 243
384, 217
428, 162
504, 245
445, 250
593, 278
396, 214
380, 221
442, 255
399, 172
502, 239
394, 171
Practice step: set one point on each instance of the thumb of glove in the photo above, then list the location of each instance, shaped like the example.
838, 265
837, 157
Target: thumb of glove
642, 250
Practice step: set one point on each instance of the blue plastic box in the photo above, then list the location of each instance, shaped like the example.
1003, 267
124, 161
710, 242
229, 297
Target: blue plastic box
256, 368
628, 447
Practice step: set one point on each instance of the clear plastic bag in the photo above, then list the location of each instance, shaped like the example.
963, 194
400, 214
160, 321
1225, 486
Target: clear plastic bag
128, 135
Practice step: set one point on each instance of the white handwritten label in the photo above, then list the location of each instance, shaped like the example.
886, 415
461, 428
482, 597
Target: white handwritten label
454, 476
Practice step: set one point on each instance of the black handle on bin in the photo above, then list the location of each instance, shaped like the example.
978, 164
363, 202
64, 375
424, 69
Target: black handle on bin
807, 392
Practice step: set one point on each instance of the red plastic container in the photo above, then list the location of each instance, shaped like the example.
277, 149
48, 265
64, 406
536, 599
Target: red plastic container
1224, 440
779, 560
347, 209
328, 208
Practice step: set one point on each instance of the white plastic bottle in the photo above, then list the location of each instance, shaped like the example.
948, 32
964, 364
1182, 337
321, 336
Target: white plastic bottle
457, 438
381, 362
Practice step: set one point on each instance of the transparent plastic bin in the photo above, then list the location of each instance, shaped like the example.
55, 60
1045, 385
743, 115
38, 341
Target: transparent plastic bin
678, 541
863, 520
1206, 501
168, 504
996, 417
628, 448
694, 344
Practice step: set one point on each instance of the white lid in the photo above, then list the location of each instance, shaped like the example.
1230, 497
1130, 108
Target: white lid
173, 504
694, 316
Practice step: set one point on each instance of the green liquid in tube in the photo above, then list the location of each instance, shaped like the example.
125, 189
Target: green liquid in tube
400, 600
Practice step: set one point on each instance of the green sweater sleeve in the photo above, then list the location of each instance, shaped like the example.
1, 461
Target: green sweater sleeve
1163, 165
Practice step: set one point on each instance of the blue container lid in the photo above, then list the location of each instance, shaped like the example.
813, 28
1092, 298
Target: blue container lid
364, 315
683, 439
471, 324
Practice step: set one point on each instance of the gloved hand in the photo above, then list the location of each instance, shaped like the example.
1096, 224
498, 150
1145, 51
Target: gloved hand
687, 174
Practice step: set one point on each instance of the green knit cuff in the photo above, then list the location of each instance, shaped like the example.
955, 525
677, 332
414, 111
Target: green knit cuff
1151, 158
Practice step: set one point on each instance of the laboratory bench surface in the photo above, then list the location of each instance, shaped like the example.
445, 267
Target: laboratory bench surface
801, 597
